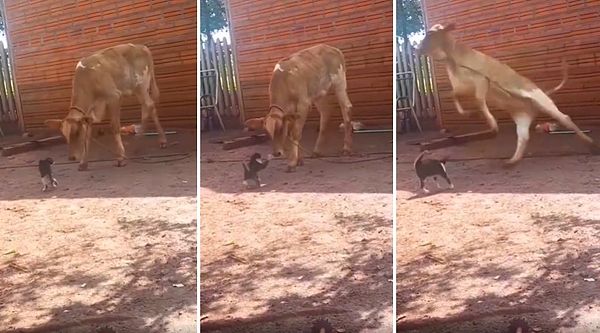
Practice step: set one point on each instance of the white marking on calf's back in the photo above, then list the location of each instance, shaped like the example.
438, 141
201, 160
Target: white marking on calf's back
79, 65
278, 68
144, 78
339, 76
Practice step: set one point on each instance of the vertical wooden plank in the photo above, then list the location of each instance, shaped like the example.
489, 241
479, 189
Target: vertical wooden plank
203, 66
412, 64
421, 84
234, 57
215, 64
224, 76
210, 84
400, 83
429, 88
231, 77
404, 87
5, 110
15, 90
397, 65
7, 80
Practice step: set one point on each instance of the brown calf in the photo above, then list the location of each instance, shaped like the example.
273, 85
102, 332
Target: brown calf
99, 82
298, 82
476, 75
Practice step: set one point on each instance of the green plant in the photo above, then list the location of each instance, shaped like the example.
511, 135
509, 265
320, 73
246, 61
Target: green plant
212, 17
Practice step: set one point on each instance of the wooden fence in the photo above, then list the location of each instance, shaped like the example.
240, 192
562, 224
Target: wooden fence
219, 56
8, 100
426, 99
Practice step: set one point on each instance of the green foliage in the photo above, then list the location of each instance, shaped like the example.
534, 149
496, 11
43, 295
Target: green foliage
212, 16
409, 17
1, 24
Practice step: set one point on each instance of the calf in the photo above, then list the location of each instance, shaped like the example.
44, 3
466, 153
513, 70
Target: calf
99, 82
476, 75
298, 82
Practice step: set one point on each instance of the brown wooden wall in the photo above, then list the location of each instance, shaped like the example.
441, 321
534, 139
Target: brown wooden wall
531, 36
264, 31
49, 37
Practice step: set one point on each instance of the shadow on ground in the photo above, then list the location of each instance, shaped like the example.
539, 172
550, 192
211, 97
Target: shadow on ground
364, 280
561, 290
146, 302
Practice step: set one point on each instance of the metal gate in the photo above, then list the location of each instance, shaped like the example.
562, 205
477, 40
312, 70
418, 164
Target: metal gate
425, 103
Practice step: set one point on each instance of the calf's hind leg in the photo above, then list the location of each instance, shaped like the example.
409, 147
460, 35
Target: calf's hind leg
346, 107
546, 105
523, 123
114, 108
149, 111
325, 113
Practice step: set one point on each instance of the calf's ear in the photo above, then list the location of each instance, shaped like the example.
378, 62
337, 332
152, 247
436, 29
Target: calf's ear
273, 125
255, 124
449, 27
53, 123
88, 120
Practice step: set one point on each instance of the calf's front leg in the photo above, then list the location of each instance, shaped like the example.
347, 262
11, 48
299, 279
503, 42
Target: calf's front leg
83, 161
296, 156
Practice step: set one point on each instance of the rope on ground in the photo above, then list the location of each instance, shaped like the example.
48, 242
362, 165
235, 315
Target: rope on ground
321, 158
469, 159
144, 159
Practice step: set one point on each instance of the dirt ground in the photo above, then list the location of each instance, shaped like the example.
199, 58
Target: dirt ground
502, 239
318, 240
109, 247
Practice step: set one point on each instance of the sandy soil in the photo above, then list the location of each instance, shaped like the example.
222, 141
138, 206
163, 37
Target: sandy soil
106, 243
315, 240
502, 239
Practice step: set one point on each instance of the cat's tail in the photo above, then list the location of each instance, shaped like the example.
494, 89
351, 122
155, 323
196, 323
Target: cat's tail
420, 157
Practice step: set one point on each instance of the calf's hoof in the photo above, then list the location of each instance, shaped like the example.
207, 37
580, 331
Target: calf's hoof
510, 164
346, 152
300, 162
290, 169
82, 166
121, 163
163, 144
317, 154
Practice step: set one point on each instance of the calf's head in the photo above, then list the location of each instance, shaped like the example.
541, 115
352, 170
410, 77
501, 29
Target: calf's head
437, 42
76, 130
279, 127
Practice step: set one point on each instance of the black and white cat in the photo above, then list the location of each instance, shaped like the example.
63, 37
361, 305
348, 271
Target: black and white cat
45, 167
256, 164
